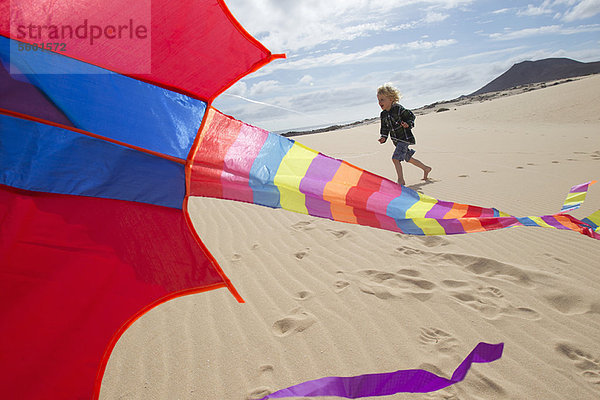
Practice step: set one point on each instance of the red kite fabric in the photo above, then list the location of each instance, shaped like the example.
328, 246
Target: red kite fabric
74, 273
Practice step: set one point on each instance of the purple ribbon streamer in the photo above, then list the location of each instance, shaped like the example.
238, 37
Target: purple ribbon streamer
412, 380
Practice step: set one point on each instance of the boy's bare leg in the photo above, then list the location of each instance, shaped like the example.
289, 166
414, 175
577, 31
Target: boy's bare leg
426, 169
398, 166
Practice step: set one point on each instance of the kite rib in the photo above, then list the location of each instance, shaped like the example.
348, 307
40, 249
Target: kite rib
90, 134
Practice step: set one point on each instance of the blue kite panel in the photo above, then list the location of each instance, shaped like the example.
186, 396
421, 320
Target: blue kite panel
106, 103
44, 158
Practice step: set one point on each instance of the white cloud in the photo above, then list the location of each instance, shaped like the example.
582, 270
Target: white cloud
263, 87
307, 80
330, 59
544, 30
422, 44
585, 9
239, 89
435, 17
535, 11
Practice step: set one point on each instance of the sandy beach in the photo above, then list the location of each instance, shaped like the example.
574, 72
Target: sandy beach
326, 298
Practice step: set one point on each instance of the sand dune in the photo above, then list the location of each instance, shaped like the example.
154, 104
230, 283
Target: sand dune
326, 298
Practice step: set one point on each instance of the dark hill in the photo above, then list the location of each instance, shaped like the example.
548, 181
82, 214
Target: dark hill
549, 69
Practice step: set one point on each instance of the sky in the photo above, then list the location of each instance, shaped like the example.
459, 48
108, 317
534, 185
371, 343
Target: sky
340, 51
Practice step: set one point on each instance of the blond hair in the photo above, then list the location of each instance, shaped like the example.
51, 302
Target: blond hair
390, 91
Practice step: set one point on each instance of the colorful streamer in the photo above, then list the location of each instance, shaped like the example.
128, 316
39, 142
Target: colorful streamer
240, 162
576, 197
384, 384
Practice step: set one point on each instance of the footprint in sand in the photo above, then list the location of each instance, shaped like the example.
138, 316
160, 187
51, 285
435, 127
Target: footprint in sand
586, 364
302, 253
427, 241
437, 339
297, 321
303, 295
482, 266
479, 266
386, 285
259, 392
338, 234
463, 176
490, 302
303, 226
236, 257
450, 283
266, 368
342, 283
571, 303
409, 251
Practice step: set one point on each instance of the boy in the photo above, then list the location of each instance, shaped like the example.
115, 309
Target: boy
397, 121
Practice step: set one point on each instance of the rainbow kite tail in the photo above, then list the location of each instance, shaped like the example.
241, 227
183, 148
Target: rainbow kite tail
563, 220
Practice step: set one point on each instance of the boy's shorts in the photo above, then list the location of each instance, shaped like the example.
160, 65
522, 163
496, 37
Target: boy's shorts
402, 152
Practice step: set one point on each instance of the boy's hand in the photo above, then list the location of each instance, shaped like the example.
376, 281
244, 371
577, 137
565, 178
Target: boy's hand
381, 140
404, 124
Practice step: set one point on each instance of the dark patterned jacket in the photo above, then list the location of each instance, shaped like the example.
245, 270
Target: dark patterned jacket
390, 124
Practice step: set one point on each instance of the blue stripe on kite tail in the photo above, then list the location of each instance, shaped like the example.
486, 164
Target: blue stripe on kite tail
264, 169
403, 381
593, 221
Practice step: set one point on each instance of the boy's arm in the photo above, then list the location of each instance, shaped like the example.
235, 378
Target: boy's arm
408, 116
383, 133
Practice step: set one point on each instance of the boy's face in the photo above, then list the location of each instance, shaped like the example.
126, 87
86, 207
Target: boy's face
385, 102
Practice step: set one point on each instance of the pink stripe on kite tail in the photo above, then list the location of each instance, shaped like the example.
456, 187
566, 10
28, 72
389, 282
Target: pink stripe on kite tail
238, 163
378, 203
403, 381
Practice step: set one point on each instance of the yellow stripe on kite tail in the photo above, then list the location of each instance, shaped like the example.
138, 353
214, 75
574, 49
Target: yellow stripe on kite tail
292, 169
418, 211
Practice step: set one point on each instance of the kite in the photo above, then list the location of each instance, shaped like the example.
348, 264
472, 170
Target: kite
102, 142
